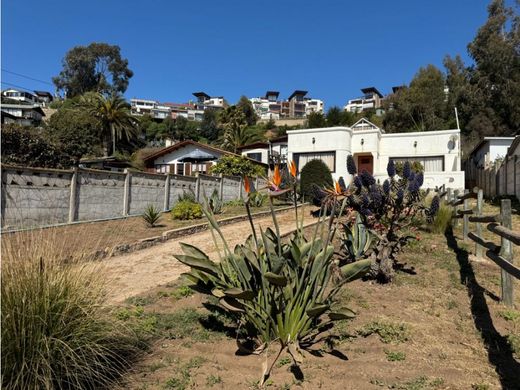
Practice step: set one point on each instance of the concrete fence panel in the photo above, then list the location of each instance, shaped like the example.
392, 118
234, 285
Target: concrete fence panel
145, 189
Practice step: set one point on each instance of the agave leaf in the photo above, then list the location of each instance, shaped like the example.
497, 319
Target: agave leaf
355, 270
277, 280
236, 292
296, 352
190, 278
317, 310
343, 314
250, 256
198, 263
232, 304
193, 251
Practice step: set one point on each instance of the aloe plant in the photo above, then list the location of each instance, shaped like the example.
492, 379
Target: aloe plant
356, 239
151, 215
215, 203
281, 291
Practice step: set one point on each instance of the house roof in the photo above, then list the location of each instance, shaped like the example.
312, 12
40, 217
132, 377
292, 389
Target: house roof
373, 90
485, 140
297, 92
43, 93
182, 144
201, 94
366, 122
263, 144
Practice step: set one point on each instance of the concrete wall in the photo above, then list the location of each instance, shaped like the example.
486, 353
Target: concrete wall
33, 197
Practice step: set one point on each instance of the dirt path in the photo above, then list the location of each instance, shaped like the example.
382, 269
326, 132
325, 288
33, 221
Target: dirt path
137, 272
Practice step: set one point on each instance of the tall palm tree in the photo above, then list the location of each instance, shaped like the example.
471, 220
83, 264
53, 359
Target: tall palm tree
113, 113
236, 132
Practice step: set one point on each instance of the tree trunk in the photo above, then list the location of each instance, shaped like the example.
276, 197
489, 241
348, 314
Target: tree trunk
106, 144
113, 132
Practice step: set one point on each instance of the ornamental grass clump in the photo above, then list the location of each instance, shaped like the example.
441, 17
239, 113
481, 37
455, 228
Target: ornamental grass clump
56, 331
151, 215
280, 291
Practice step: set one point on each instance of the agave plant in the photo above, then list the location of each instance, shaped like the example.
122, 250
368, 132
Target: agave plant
151, 215
356, 239
215, 204
257, 199
280, 291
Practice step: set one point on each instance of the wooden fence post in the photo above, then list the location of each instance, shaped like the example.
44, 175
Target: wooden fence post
506, 251
166, 204
73, 206
465, 218
480, 200
456, 208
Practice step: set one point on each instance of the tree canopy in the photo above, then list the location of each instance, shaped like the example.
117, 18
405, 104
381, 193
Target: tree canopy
97, 67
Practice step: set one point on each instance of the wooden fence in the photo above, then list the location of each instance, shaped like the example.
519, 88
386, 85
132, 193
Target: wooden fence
499, 224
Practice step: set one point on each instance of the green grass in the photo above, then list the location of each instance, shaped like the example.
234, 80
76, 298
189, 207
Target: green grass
420, 383
514, 343
181, 292
388, 332
182, 380
510, 315
395, 356
213, 380
283, 361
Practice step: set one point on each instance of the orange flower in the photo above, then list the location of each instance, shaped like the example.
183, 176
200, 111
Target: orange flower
276, 180
247, 184
292, 168
335, 191
337, 187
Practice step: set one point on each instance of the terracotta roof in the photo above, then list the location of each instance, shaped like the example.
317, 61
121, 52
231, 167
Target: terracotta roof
182, 144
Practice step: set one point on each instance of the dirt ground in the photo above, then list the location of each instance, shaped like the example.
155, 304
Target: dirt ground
140, 271
439, 325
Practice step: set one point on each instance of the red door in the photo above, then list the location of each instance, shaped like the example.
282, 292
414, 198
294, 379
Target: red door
366, 163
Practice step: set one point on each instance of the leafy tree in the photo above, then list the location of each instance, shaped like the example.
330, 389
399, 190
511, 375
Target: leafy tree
185, 129
316, 120
26, 146
237, 166
97, 67
113, 113
244, 105
76, 131
209, 127
334, 116
314, 175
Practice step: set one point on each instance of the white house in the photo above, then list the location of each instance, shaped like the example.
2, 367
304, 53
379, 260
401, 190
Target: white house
186, 158
271, 152
489, 149
438, 151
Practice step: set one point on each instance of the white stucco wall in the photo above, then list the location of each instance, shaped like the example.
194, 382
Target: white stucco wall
498, 148
326, 139
262, 151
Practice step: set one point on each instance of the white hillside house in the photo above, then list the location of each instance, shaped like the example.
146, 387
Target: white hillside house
438, 151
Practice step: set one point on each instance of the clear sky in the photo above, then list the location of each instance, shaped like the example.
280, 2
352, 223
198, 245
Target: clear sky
242, 47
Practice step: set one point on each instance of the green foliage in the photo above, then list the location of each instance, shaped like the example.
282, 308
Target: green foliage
355, 240
113, 115
388, 332
316, 120
245, 105
185, 210
237, 166
280, 291
97, 67
56, 330
314, 174
395, 356
209, 127
235, 125
151, 215
415, 166
442, 220
215, 204
187, 196
26, 146
257, 199
514, 343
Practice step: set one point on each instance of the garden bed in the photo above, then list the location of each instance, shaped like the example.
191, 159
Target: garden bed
437, 326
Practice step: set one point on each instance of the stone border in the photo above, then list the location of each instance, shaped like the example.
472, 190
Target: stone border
175, 233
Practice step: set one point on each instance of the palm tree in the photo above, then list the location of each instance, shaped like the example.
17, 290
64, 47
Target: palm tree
113, 113
236, 132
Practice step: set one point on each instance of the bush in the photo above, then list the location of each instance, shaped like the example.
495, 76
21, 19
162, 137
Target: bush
187, 210
55, 331
151, 215
237, 166
187, 196
443, 219
314, 174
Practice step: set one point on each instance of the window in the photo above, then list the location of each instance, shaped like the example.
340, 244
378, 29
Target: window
430, 164
180, 169
255, 156
329, 158
162, 168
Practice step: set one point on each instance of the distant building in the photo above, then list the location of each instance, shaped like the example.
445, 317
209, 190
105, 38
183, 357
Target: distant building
205, 101
269, 107
22, 114
372, 99
40, 98
272, 152
488, 150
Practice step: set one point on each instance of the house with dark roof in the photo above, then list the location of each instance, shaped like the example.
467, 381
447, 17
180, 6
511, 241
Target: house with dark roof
187, 158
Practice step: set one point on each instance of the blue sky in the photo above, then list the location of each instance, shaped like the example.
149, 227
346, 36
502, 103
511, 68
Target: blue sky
234, 48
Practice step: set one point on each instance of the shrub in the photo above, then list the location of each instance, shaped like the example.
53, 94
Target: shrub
442, 220
188, 196
280, 291
237, 166
314, 174
151, 215
415, 166
55, 331
187, 210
